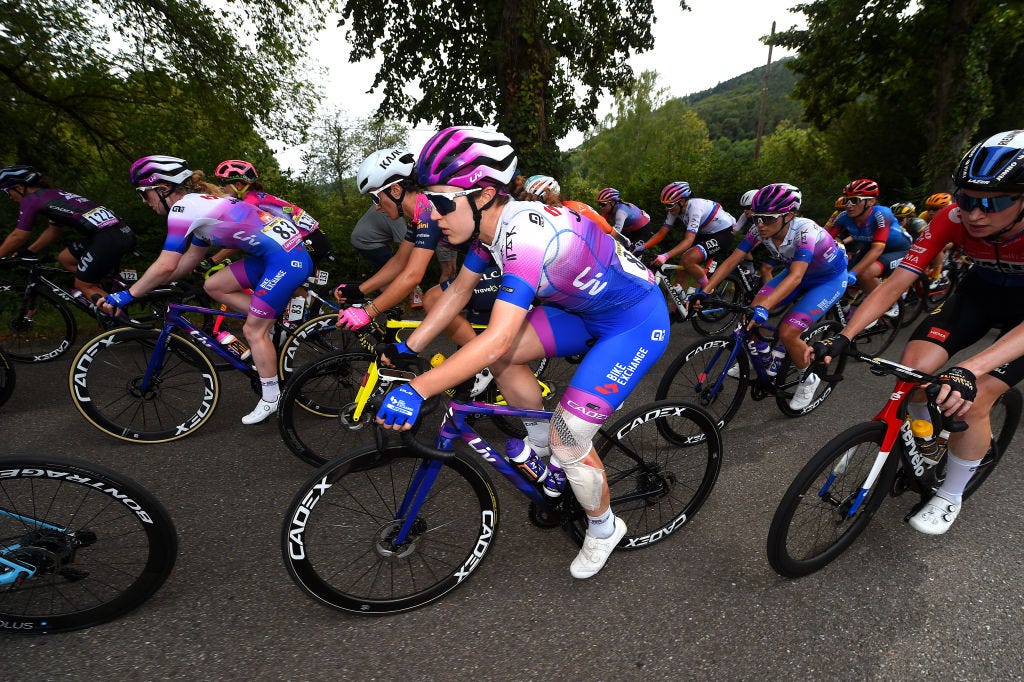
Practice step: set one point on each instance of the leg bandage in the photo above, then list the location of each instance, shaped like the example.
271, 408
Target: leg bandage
571, 441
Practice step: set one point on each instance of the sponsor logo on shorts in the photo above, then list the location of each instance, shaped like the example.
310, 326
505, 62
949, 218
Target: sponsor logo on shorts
938, 334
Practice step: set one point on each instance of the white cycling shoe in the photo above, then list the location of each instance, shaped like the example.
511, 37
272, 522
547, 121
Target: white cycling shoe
935, 517
804, 392
263, 412
595, 552
734, 371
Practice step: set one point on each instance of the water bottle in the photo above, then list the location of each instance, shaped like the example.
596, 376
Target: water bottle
778, 353
526, 460
760, 350
554, 484
229, 340
927, 445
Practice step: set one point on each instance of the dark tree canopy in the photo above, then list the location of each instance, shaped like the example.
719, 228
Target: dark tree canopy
535, 68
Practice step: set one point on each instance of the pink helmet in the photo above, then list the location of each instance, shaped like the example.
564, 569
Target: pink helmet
235, 169
674, 192
779, 197
609, 194
466, 157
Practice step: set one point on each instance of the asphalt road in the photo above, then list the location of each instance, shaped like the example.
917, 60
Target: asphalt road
705, 603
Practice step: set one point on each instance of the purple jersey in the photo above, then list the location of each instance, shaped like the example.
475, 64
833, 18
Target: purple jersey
561, 258
283, 209
66, 210
630, 218
805, 242
228, 223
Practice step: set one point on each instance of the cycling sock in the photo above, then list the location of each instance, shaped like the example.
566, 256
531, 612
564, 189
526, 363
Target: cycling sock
271, 390
958, 473
919, 411
601, 526
538, 432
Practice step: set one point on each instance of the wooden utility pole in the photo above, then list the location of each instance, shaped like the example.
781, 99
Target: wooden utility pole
764, 97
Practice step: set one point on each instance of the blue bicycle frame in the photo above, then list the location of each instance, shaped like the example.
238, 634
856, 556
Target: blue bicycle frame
12, 572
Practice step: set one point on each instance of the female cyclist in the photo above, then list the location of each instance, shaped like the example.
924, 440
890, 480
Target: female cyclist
590, 291
199, 216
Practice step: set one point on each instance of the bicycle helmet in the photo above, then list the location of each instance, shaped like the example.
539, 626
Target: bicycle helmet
796, 193
839, 203
236, 169
747, 200
864, 187
467, 157
674, 192
938, 200
609, 194
994, 165
538, 184
776, 198
384, 168
12, 176
150, 170
904, 210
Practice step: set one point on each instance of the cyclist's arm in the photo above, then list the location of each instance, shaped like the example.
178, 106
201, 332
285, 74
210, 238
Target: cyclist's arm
872, 254
448, 306
48, 236
484, 349
190, 259
682, 246
389, 271
879, 300
402, 285
727, 266
14, 241
789, 283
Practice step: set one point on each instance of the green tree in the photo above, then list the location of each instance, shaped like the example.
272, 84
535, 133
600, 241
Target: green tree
940, 69
535, 68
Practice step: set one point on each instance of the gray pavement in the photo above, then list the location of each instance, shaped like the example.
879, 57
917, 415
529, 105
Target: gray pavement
897, 605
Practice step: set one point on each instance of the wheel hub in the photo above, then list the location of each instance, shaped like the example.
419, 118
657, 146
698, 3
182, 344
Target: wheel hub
384, 539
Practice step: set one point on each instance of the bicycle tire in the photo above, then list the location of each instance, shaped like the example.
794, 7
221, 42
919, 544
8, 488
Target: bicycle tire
45, 335
118, 547
1005, 418
915, 303
788, 375
335, 540
315, 415
814, 509
8, 377
695, 373
310, 340
661, 461
105, 376
717, 322
876, 338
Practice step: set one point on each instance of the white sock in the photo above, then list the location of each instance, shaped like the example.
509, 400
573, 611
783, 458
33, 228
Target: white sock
919, 411
271, 390
958, 473
538, 432
601, 526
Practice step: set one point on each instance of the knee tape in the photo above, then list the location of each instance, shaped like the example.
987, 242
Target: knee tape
571, 441
587, 484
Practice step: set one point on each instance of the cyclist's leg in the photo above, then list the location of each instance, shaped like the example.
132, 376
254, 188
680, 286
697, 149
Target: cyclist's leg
813, 300
228, 285
95, 259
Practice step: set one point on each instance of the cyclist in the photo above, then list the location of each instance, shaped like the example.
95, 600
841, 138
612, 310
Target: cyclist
934, 204
593, 296
628, 220
987, 222
878, 242
708, 232
105, 237
906, 214
198, 216
829, 224
814, 274
546, 189
387, 176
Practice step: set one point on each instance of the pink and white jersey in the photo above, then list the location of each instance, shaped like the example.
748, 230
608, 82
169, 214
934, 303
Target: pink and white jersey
283, 209
561, 258
230, 224
704, 216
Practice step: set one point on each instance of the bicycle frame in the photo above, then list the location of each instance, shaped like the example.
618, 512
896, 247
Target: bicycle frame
14, 572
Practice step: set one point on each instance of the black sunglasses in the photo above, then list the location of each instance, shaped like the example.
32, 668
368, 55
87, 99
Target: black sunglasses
986, 204
444, 202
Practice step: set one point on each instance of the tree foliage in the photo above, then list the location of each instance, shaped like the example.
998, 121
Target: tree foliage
535, 68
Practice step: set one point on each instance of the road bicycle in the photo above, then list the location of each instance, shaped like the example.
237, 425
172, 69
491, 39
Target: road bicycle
833, 498
739, 287
701, 372
153, 385
79, 544
330, 403
380, 530
8, 377
36, 319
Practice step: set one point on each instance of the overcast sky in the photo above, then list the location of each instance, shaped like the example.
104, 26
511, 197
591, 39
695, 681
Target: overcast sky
713, 42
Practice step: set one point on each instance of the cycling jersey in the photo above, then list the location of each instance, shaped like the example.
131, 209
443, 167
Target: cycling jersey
589, 212
805, 242
878, 227
996, 263
283, 209
630, 218
65, 210
423, 231
704, 216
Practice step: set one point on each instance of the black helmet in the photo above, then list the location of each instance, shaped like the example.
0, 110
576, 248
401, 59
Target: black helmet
995, 165
12, 176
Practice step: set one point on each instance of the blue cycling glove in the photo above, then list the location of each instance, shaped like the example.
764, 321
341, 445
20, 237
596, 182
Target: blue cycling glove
760, 315
401, 406
119, 299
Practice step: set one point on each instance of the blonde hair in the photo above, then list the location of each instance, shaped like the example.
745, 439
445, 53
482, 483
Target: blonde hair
197, 184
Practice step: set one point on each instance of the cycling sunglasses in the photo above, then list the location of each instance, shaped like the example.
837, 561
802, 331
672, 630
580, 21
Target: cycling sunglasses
444, 202
673, 204
986, 204
145, 188
765, 218
853, 201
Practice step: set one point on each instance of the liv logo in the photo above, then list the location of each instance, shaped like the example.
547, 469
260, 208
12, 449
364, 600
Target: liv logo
593, 286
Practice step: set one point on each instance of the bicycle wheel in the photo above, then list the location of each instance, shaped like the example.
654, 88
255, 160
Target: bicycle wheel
661, 460
789, 375
914, 303
37, 327
312, 339
812, 524
1005, 418
699, 374
96, 544
717, 321
338, 535
315, 417
106, 386
876, 338
8, 377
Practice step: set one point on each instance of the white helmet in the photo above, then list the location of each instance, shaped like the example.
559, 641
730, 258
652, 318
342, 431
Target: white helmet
384, 168
747, 200
538, 184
